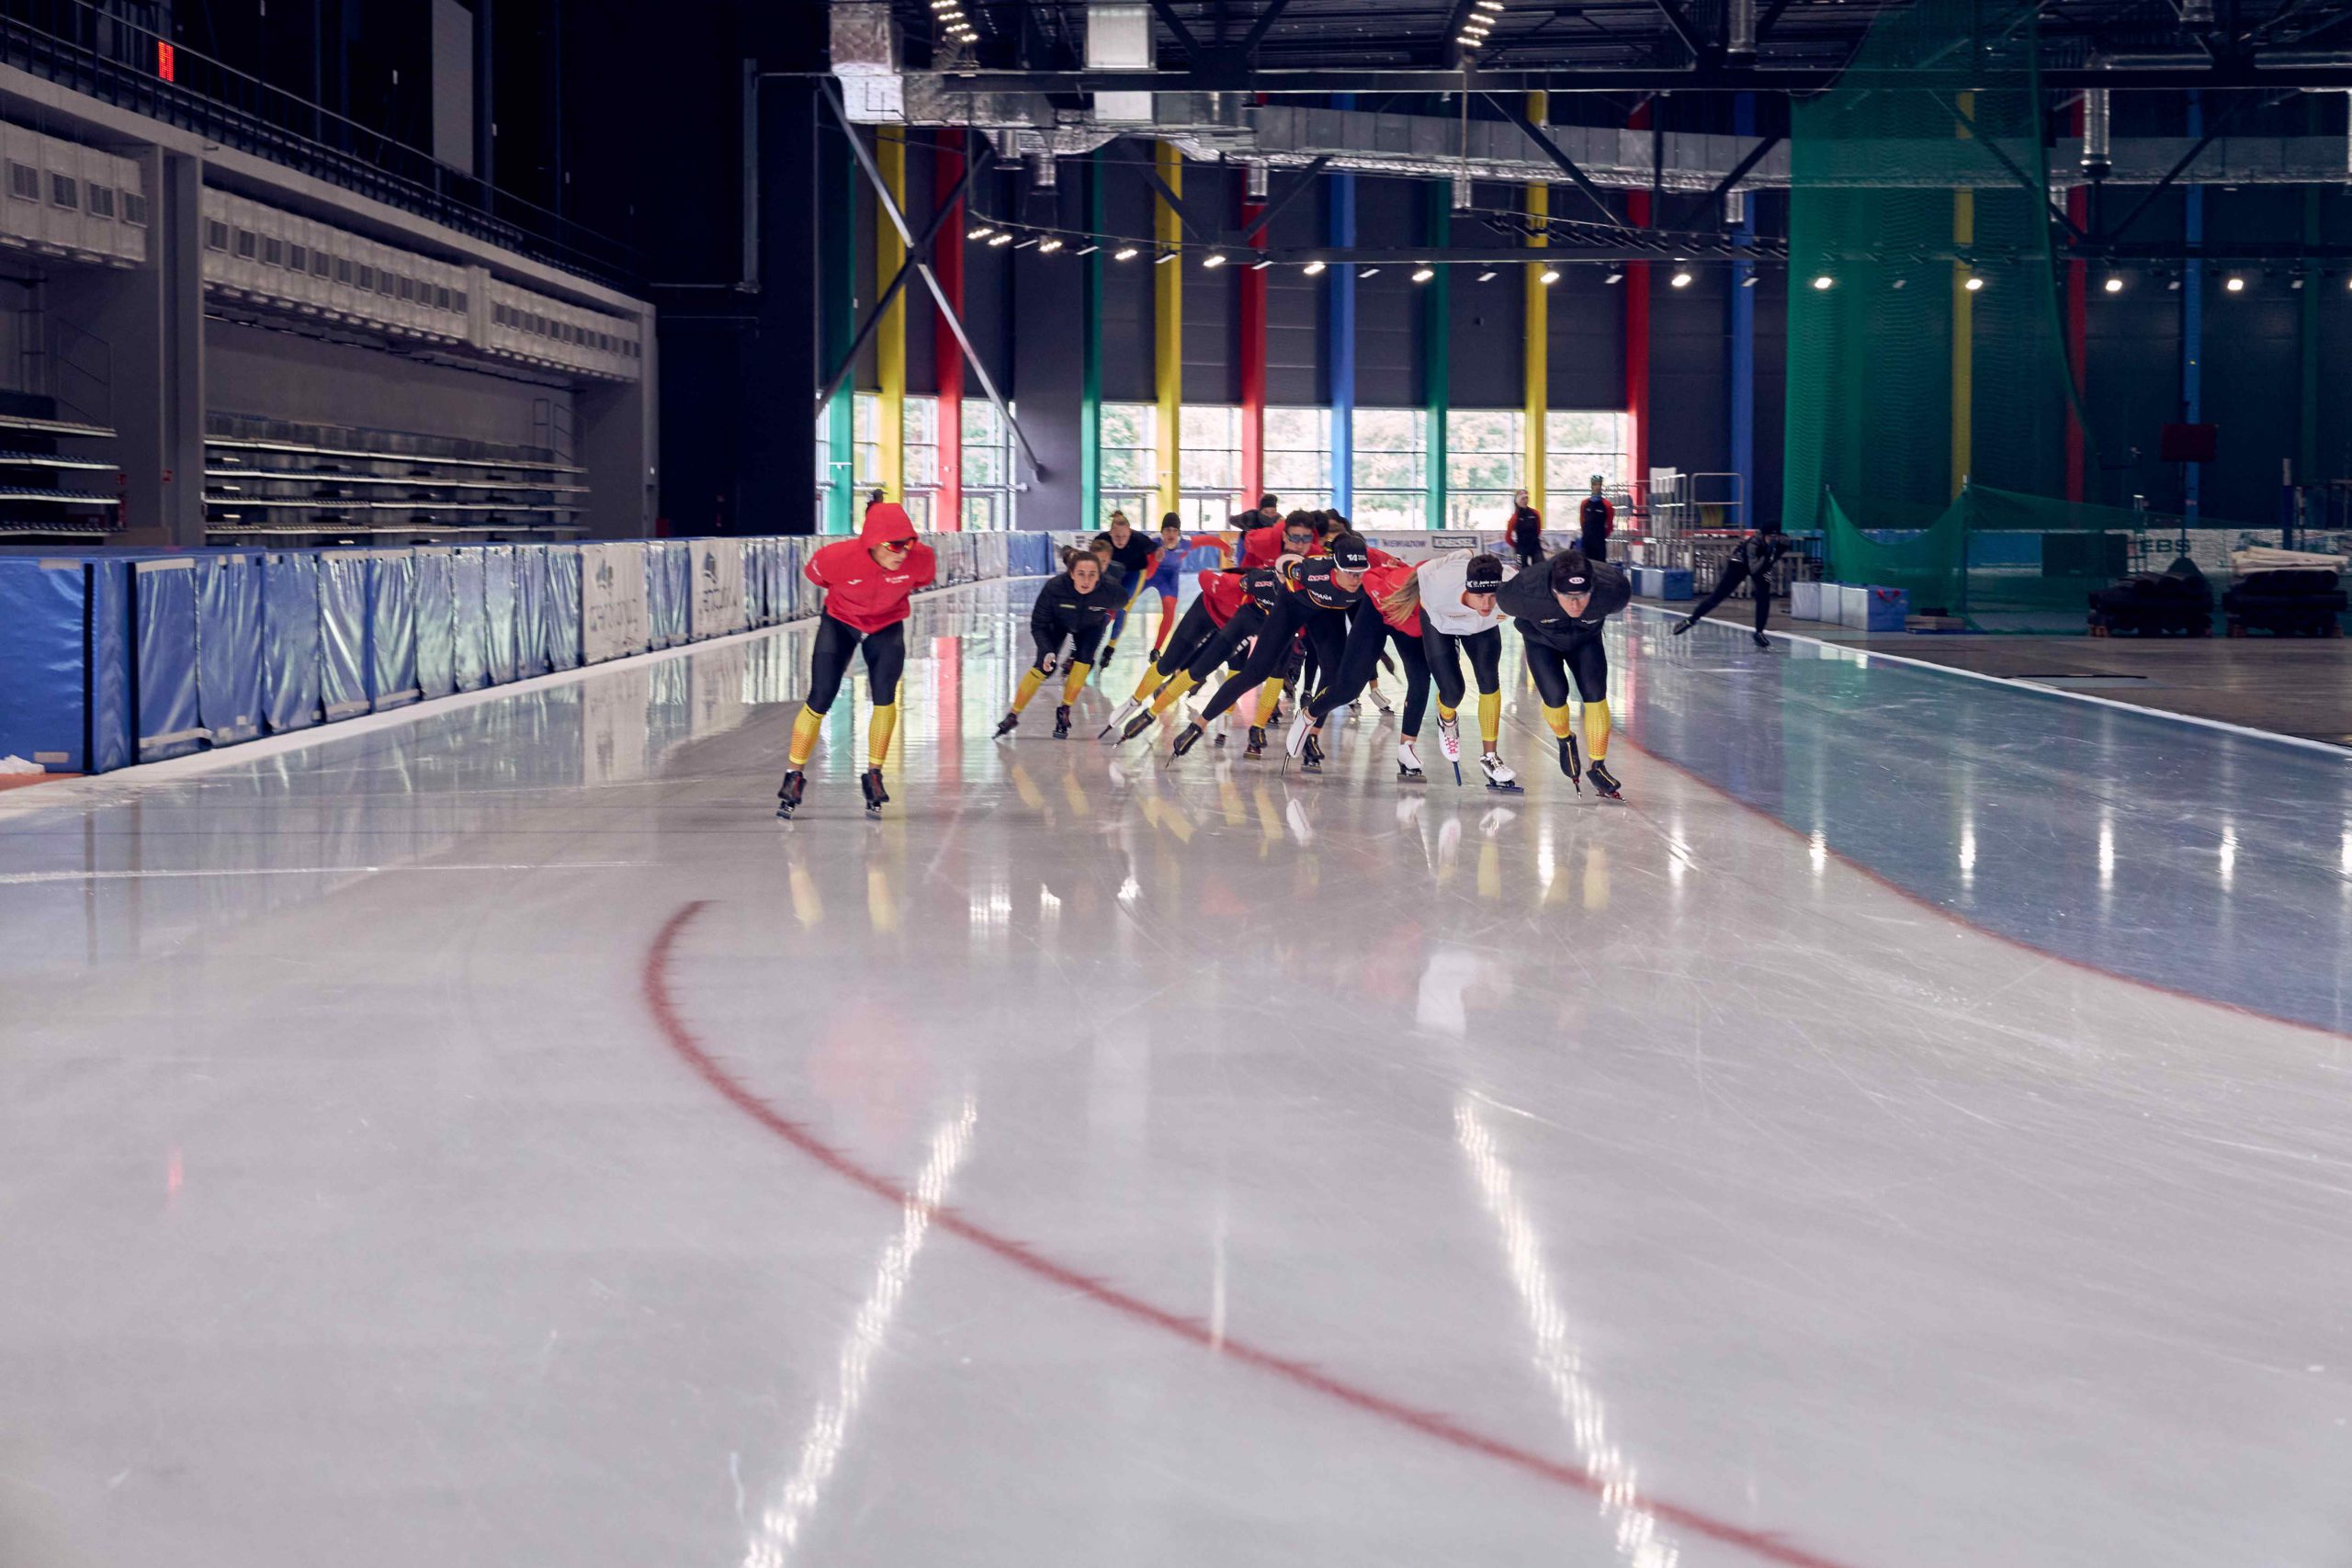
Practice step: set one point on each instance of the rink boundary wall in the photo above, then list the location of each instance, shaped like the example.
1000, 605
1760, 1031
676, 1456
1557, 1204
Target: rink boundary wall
2027, 689
116, 659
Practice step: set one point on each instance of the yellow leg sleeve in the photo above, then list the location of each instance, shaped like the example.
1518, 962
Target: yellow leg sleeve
1269, 695
1073, 682
879, 730
1031, 680
1596, 730
1172, 694
1557, 717
1149, 683
804, 725
1491, 717
1445, 713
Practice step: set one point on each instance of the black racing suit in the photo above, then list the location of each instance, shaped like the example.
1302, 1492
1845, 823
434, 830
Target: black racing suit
1752, 559
1318, 606
1061, 611
1560, 645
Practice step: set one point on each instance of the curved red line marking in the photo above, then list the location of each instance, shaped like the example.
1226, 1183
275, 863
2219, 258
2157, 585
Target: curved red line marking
681, 1040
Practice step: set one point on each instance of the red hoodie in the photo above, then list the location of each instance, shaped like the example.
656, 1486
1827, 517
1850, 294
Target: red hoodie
858, 593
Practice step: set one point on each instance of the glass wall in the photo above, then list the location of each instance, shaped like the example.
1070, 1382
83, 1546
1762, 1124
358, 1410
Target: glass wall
921, 457
1130, 464
988, 468
1486, 459
1209, 466
1298, 458
1580, 442
1391, 468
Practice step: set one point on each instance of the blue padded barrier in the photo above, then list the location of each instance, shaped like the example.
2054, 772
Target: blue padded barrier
113, 727
163, 622
391, 629
471, 654
290, 640
42, 605
498, 613
436, 620
343, 633
530, 611
678, 561
657, 596
563, 606
759, 585
228, 645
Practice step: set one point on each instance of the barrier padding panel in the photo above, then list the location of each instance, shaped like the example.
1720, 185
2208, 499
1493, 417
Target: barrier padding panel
343, 633
716, 608
41, 607
677, 559
228, 645
657, 596
498, 613
290, 640
114, 741
469, 651
162, 618
612, 598
563, 606
436, 620
530, 611
391, 629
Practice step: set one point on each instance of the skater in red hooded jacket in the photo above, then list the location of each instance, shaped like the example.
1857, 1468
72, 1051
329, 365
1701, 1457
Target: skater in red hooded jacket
867, 582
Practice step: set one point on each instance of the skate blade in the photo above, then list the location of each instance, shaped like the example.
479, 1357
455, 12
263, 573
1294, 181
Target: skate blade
1512, 789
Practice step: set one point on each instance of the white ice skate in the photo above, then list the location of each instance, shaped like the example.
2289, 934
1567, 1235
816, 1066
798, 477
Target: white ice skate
1379, 700
1127, 711
1498, 774
1301, 727
1409, 761
1449, 738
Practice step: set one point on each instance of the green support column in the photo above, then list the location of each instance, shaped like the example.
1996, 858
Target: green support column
1437, 342
837, 317
1089, 403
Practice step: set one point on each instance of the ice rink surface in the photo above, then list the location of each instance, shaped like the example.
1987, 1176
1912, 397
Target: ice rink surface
1914, 1129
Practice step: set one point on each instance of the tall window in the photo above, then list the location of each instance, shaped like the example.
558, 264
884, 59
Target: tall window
1580, 442
1130, 464
1485, 459
868, 424
1391, 468
1209, 463
988, 468
1298, 458
921, 457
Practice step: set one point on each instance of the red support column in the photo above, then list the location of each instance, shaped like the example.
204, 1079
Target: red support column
947, 261
1253, 367
1637, 334
2079, 207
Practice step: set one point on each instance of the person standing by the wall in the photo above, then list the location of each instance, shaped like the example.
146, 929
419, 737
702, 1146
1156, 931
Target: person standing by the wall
1525, 532
1595, 522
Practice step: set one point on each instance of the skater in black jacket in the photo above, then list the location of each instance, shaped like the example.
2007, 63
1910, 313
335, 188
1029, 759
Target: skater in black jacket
1560, 608
1079, 604
1751, 560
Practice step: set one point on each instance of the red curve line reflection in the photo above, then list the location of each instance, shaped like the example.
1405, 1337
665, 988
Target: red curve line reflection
681, 1040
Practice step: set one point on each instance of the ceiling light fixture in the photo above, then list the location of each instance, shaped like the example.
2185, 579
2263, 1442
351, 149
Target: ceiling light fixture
1679, 280
1749, 282
1124, 252
1824, 281
1367, 272
1261, 265
1487, 276
982, 232
1002, 239
1312, 267
1212, 259
1548, 276
2236, 284
1164, 257
1048, 247
1086, 250
1422, 275
2114, 285
1973, 283
1615, 277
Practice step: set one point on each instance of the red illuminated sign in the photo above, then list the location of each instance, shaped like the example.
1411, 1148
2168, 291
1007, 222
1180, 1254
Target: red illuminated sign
164, 60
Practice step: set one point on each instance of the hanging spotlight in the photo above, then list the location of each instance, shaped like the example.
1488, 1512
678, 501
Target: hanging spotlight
1973, 283
1312, 267
1086, 250
1548, 276
1749, 282
2236, 284
2114, 284
1423, 275
1615, 277
1212, 259
1367, 272
1001, 238
1048, 247
981, 232
1824, 281
1679, 280
1164, 257
1487, 276
1261, 265
1124, 252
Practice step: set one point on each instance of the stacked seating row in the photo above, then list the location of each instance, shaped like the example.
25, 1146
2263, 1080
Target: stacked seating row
112, 658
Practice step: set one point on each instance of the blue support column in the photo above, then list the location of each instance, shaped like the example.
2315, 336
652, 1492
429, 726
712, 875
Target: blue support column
1743, 336
2192, 320
1339, 331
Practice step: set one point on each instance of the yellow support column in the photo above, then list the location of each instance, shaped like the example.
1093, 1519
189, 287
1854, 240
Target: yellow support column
1536, 370
1167, 329
890, 337
1963, 322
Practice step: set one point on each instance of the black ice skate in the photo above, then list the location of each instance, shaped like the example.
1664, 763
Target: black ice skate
1761, 640
1007, 724
1311, 756
870, 781
1570, 763
788, 794
1138, 725
1061, 722
1604, 781
1187, 739
1257, 747
1683, 626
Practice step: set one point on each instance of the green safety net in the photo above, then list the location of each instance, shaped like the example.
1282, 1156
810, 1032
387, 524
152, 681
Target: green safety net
2000, 559
1923, 168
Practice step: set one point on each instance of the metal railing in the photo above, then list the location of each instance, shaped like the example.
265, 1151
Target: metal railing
75, 44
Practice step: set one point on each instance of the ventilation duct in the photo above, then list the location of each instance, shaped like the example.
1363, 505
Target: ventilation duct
866, 62
1118, 38
2099, 150
1742, 30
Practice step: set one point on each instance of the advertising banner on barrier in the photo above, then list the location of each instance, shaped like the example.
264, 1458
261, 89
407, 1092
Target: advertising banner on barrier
1420, 543
613, 621
717, 605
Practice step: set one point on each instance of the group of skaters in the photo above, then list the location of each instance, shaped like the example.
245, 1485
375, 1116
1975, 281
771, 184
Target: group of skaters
1299, 602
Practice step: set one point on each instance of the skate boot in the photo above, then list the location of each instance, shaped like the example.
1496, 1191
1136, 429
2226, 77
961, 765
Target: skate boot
1127, 711
1137, 725
1500, 777
1257, 747
1449, 738
1761, 640
1295, 739
1061, 722
1311, 756
870, 781
1187, 739
1379, 700
1007, 724
1102, 660
1409, 763
1570, 763
1684, 624
1604, 781
787, 795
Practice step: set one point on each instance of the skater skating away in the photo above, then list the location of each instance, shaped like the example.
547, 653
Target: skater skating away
1458, 617
1560, 608
1078, 605
1595, 519
1134, 556
1525, 532
867, 582
1751, 560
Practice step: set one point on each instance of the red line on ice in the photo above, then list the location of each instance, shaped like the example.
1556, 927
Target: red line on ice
681, 1040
